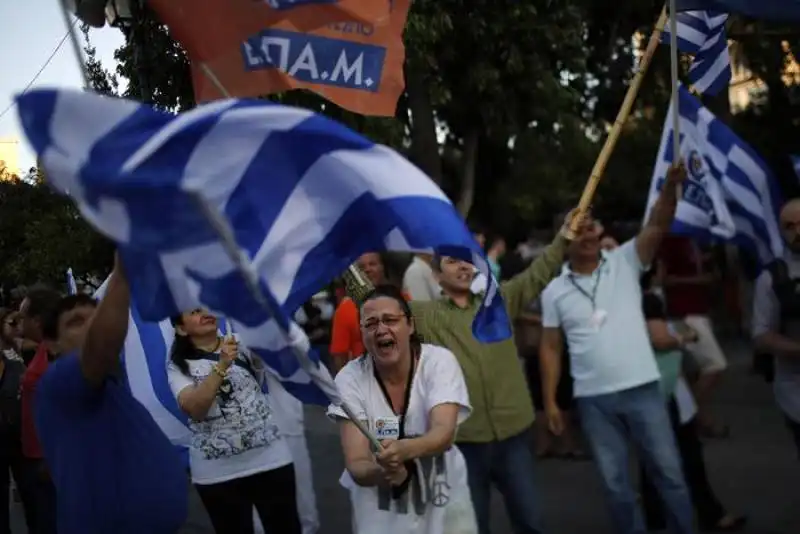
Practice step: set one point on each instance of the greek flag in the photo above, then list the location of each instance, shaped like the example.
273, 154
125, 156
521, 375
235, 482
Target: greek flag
780, 10
796, 165
246, 208
702, 33
730, 193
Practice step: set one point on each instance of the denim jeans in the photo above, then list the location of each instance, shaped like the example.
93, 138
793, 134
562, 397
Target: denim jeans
639, 414
509, 465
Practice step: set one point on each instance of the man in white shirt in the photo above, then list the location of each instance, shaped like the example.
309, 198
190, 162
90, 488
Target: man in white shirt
776, 318
597, 302
419, 282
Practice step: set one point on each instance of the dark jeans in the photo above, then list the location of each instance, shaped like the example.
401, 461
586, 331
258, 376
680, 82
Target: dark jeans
11, 461
794, 426
708, 508
230, 504
509, 464
35, 482
639, 414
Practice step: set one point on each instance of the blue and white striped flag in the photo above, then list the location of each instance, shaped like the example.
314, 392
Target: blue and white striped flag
702, 33
72, 286
730, 193
796, 165
238, 203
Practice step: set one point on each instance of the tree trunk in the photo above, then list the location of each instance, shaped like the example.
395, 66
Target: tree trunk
469, 157
424, 145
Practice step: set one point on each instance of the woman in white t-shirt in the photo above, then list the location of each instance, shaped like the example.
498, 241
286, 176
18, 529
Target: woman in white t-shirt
237, 456
412, 397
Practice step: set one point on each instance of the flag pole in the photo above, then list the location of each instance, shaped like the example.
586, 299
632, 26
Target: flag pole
622, 116
76, 47
226, 236
673, 48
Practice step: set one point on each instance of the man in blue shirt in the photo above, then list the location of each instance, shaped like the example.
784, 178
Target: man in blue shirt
113, 469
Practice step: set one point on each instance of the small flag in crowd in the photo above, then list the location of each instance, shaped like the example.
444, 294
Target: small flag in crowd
730, 193
780, 10
357, 66
207, 28
72, 287
702, 33
300, 197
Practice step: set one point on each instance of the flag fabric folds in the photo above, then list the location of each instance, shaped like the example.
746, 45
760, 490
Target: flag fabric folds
72, 286
246, 208
730, 193
702, 33
207, 27
349, 52
778, 10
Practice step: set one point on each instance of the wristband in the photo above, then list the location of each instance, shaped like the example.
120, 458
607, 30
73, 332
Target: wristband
219, 371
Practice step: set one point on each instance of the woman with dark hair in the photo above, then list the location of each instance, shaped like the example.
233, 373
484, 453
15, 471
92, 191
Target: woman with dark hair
237, 456
668, 340
412, 396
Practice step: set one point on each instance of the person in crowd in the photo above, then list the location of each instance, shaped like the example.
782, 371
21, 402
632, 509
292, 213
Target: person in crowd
687, 287
495, 250
37, 304
495, 440
419, 281
596, 304
608, 242
346, 343
413, 397
11, 459
10, 334
776, 319
669, 340
237, 456
113, 468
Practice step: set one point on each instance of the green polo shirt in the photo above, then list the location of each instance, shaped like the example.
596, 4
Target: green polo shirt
501, 403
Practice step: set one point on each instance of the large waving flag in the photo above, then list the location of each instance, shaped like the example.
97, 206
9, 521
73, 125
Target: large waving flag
778, 10
355, 61
731, 193
702, 33
207, 27
243, 207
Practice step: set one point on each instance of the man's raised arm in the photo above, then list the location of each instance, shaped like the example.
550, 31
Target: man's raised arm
106, 334
657, 226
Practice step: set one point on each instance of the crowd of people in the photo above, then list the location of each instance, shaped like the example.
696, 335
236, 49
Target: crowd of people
614, 344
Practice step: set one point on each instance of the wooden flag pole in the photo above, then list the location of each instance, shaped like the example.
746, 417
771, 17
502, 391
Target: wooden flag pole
619, 122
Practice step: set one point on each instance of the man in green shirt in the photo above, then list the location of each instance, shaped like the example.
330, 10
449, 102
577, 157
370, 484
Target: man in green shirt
495, 440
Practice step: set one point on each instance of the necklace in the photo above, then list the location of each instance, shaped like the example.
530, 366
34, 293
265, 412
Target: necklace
216, 346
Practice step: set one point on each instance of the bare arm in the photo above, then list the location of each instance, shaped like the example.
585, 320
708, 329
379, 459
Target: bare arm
660, 336
358, 458
106, 333
197, 400
550, 352
439, 437
649, 239
778, 345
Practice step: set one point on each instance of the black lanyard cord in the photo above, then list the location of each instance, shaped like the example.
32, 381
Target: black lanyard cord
593, 295
398, 491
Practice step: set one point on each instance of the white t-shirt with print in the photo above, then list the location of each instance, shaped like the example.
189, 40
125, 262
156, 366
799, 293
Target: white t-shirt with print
239, 436
443, 498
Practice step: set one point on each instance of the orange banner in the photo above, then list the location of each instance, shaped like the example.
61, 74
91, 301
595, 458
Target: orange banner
209, 28
356, 65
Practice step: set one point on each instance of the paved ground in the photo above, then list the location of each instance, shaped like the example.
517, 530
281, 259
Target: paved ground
755, 472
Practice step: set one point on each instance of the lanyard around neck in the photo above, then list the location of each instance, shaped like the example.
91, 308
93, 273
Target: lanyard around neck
593, 295
406, 395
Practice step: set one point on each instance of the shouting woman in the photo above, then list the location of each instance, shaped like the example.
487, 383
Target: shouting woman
412, 397
237, 456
